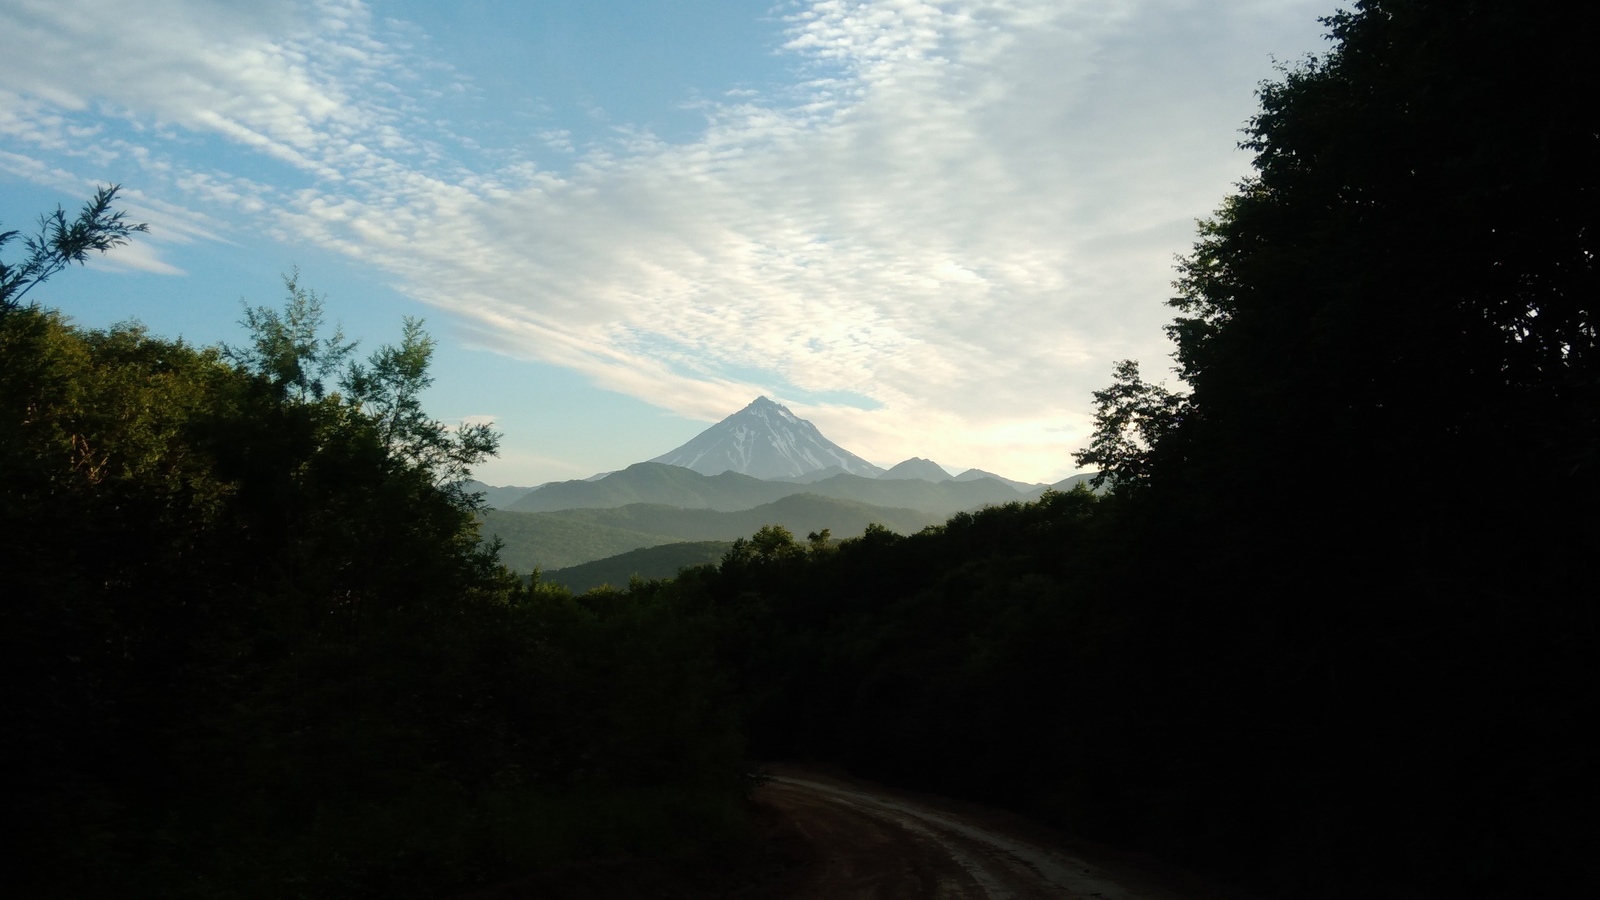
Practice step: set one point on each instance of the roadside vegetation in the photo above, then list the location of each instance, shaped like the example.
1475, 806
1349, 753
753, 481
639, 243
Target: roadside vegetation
258, 649
254, 648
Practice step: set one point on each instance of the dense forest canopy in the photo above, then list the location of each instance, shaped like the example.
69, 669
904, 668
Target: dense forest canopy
254, 647
254, 616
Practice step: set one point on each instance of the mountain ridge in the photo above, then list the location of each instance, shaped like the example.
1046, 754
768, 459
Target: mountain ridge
655, 482
916, 467
662, 483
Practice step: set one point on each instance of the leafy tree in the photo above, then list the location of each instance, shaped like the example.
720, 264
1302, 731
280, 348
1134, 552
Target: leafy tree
1131, 417
286, 347
288, 350
819, 542
1412, 268
60, 243
770, 545
252, 644
1405, 286
389, 388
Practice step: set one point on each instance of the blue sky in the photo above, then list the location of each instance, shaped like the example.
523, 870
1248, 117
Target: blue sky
930, 227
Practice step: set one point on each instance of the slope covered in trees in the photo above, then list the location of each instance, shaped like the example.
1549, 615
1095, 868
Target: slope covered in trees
252, 645
661, 561
531, 541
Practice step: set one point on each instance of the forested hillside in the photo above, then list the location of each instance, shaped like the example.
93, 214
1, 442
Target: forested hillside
661, 561
542, 540
253, 647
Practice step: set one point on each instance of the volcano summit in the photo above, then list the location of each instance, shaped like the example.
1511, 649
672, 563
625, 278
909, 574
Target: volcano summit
765, 440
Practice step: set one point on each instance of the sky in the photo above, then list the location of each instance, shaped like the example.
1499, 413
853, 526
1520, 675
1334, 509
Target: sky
931, 228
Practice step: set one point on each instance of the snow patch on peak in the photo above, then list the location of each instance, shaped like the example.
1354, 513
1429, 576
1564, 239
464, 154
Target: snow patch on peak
765, 440
767, 408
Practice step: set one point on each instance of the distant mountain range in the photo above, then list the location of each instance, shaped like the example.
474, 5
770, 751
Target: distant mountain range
800, 513
498, 497
653, 482
764, 442
975, 474
763, 465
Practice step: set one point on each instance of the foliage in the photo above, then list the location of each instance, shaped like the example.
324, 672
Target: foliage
770, 545
286, 349
60, 243
547, 541
1130, 417
1410, 276
253, 645
389, 388
661, 561
287, 352
912, 658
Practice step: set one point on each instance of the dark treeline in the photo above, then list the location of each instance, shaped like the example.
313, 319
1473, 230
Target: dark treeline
1244, 658
252, 647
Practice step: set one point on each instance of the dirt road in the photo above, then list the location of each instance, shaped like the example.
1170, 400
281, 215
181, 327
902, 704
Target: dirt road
820, 837
866, 843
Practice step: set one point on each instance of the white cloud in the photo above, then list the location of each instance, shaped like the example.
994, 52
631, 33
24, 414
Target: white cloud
963, 211
135, 257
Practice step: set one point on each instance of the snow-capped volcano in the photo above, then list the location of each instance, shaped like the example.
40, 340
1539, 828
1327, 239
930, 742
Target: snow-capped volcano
764, 440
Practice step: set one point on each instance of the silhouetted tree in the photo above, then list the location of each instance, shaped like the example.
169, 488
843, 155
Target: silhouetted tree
252, 644
60, 243
1389, 341
1131, 417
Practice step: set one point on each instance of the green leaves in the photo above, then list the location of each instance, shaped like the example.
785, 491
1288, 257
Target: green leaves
287, 352
771, 544
251, 645
1131, 417
60, 243
286, 348
388, 388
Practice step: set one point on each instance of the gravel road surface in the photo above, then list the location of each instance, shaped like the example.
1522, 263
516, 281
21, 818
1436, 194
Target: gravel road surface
866, 843
817, 836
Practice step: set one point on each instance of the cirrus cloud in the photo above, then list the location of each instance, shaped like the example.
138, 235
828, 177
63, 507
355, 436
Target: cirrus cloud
933, 241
